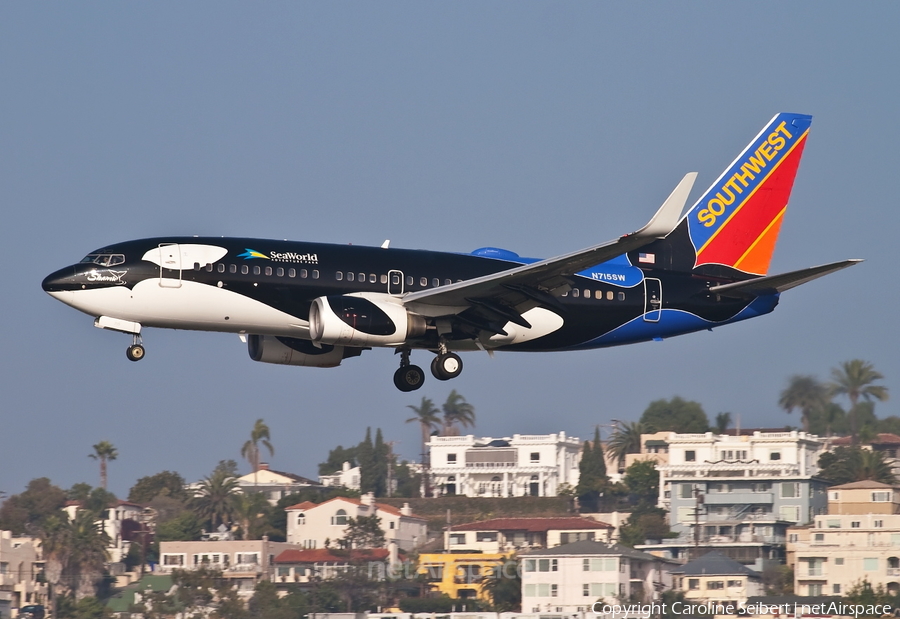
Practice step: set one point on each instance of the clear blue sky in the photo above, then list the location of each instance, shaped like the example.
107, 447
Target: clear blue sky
538, 127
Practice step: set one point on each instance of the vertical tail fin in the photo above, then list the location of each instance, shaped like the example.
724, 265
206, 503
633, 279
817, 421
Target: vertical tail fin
736, 222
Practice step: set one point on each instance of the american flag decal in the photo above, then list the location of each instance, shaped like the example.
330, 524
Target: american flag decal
647, 258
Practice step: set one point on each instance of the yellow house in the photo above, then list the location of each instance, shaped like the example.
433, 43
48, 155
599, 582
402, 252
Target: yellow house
459, 574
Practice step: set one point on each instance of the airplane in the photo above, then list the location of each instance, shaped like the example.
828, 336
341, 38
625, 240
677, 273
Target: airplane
315, 304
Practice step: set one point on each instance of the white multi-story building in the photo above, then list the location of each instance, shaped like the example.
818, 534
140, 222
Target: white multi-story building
122, 522
20, 566
274, 484
570, 578
738, 492
311, 525
347, 477
500, 535
524, 465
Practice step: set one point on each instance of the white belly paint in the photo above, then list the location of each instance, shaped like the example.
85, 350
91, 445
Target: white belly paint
191, 306
543, 322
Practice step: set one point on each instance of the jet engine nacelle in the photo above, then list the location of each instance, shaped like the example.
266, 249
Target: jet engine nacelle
358, 321
293, 351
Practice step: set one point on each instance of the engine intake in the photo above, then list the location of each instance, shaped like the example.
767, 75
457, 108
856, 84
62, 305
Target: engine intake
292, 351
358, 321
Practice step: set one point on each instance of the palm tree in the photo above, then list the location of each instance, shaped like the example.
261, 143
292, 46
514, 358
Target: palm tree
806, 394
625, 439
104, 452
428, 420
457, 412
250, 450
250, 508
854, 379
75, 551
215, 500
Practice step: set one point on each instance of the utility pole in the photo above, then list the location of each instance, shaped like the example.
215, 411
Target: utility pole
698, 498
390, 471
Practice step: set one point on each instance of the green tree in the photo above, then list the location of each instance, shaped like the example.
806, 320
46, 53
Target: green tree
336, 459
215, 499
75, 551
79, 492
166, 483
625, 439
366, 456
426, 415
592, 477
675, 415
889, 425
409, 484
104, 452
503, 586
457, 412
25, 512
382, 462
251, 509
363, 532
259, 435
806, 394
828, 420
642, 481
855, 379
849, 464
645, 522
723, 420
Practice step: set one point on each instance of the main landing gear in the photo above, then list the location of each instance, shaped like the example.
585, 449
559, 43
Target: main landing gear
444, 366
136, 351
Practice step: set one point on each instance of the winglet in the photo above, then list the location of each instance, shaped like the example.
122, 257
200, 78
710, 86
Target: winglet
668, 215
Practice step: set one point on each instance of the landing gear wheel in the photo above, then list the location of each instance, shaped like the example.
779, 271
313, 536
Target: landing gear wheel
409, 378
135, 352
446, 366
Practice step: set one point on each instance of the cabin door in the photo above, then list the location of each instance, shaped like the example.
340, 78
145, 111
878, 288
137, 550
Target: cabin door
652, 299
395, 283
169, 265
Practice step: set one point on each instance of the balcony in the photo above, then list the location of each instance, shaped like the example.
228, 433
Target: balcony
893, 571
739, 498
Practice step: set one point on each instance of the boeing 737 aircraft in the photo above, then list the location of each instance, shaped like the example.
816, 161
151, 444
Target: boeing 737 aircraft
313, 304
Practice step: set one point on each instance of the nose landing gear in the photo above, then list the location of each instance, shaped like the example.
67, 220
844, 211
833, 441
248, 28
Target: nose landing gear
136, 351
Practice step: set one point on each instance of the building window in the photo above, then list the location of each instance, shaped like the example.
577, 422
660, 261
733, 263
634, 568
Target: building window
833, 524
879, 524
694, 584
815, 589
301, 518
458, 539
834, 496
339, 518
530, 564
836, 589
687, 491
839, 561
792, 538
775, 455
735, 583
451, 458
870, 564
486, 536
715, 584
553, 590
535, 456
819, 537
855, 524
881, 497
815, 567
790, 490
690, 456
791, 513
173, 560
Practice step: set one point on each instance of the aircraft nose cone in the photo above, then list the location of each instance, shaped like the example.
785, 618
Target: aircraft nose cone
59, 281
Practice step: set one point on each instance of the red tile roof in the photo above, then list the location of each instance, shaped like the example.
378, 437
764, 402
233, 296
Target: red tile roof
303, 505
322, 555
883, 438
533, 525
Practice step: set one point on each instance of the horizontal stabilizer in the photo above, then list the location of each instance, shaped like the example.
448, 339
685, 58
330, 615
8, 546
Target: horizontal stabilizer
772, 284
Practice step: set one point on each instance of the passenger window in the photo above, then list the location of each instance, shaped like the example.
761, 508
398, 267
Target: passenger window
221, 267
244, 269
209, 267
565, 294
292, 273
351, 277
598, 294
423, 281
279, 272
315, 274
339, 275
395, 279
232, 268
435, 282
409, 280
587, 294
256, 270
303, 273
621, 296
372, 278
268, 270
362, 278
609, 295
196, 266
383, 279
447, 282
575, 292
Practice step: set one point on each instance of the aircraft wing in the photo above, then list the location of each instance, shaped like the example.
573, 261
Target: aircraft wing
505, 295
772, 284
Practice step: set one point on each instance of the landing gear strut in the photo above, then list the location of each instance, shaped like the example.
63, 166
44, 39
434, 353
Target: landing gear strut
136, 351
409, 377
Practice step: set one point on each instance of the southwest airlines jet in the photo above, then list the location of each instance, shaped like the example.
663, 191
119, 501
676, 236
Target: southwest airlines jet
314, 304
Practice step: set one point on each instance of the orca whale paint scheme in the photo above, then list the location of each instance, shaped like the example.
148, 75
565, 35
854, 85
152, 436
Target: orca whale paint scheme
313, 304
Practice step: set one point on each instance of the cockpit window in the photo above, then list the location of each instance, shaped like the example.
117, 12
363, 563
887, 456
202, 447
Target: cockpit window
104, 260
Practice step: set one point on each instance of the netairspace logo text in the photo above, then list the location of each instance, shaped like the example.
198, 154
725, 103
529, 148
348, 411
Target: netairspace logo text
685, 608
